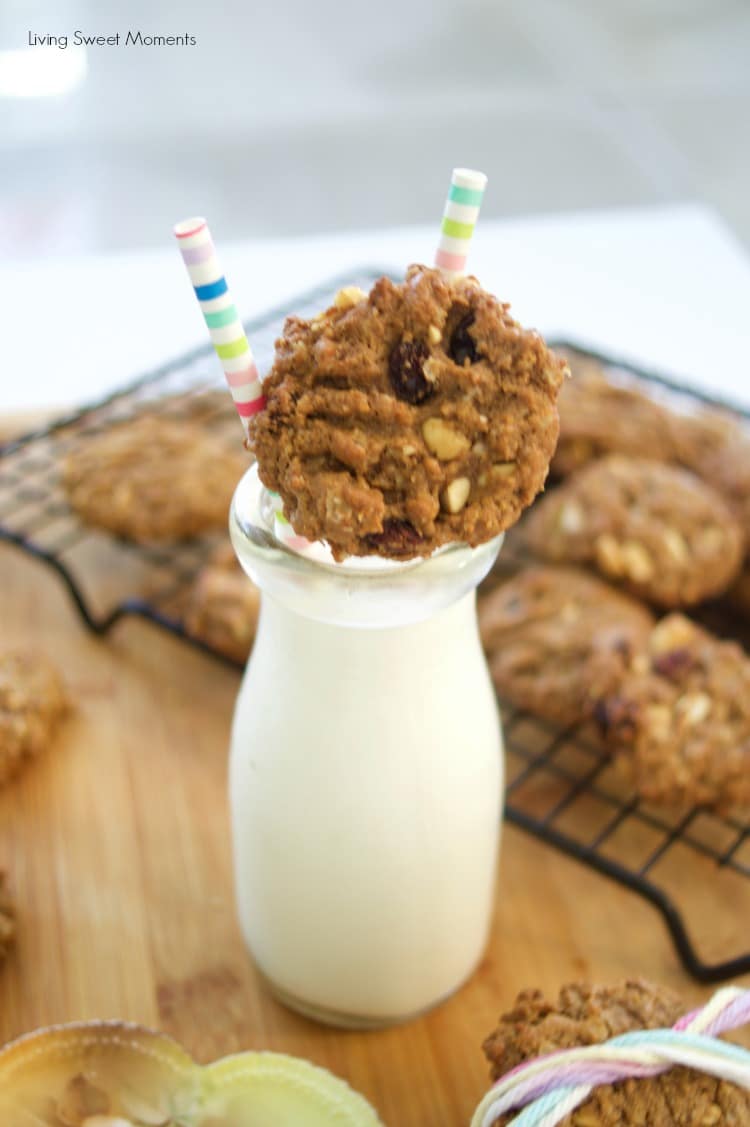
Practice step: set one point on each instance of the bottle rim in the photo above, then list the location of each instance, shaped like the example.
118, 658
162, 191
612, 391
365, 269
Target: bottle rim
370, 591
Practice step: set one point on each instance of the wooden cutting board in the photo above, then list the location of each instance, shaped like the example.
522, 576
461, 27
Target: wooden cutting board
117, 846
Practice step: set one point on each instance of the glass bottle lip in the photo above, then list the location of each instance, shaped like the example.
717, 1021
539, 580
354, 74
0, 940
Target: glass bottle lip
369, 592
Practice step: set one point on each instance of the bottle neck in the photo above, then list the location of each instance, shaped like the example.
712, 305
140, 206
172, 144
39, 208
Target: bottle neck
312, 638
374, 593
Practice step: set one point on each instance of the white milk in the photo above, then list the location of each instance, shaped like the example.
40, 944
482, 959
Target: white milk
366, 787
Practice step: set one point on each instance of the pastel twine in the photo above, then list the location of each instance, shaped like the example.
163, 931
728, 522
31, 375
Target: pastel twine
554, 1085
221, 316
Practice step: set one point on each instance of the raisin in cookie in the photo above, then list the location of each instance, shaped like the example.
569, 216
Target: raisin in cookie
588, 1015
679, 721
224, 605
557, 639
659, 530
599, 417
153, 479
7, 918
32, 703
415, 416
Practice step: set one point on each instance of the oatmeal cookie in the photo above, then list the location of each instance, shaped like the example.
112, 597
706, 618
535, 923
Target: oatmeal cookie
588, 1015
679, 721
415, 416
224, 605
32, 703
726, 466
7, 918
696, 439
659, 530
153, 479
599, 417
557, 639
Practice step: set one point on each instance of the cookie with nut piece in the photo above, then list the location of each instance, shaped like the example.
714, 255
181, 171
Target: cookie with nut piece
588, 1015
658, 530
33, 701
558, 638
415, 416
679, 721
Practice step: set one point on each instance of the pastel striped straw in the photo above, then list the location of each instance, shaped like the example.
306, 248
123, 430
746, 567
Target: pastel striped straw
550, 1087
459, 219
221, 316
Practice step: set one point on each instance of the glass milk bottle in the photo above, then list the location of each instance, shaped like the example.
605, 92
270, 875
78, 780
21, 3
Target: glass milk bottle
365, 776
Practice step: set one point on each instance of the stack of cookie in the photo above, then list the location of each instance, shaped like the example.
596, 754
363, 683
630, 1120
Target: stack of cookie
651, 505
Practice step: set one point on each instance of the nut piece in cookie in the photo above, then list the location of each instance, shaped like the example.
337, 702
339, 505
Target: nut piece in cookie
7, 918
679, 721
32, 703
588, 1015
153, 480
656, 529
415, 416
557, 639
224, 605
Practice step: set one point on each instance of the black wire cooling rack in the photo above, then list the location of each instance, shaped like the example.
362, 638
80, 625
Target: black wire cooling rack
560, 787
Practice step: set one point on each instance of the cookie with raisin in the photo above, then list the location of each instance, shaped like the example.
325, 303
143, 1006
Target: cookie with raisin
418, 415
679, 721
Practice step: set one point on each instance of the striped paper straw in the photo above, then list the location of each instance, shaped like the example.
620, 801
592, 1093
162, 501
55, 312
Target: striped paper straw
459, 219
221, 316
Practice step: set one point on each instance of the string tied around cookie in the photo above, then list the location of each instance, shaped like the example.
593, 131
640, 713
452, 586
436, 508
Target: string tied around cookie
550, 1087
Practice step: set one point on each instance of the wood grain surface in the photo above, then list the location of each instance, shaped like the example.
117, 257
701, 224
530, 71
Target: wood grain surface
117, 847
